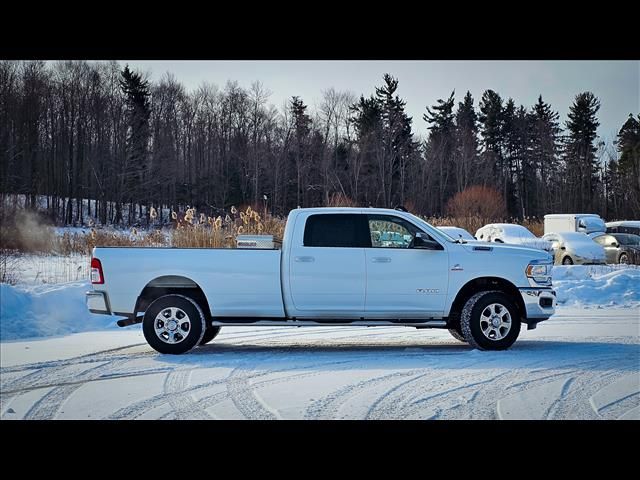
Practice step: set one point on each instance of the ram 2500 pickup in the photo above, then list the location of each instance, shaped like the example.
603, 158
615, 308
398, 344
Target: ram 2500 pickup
336, 266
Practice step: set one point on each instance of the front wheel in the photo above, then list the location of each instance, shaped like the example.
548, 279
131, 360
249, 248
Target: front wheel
457, 334
173, 324
624, 258
490, 321
567, 260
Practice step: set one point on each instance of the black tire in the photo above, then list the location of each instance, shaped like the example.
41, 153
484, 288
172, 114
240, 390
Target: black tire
209, 334
624, 258
457, 334
470, 321
190, 337
567, 260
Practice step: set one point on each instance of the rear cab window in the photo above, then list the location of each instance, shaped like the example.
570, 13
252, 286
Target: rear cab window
341, 230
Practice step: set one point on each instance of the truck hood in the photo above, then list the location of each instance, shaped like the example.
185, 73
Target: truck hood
505, 249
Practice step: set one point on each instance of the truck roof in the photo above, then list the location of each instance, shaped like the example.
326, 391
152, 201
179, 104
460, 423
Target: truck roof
347, 209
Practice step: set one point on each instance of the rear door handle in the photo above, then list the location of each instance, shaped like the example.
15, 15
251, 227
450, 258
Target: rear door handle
381, 259
304, 259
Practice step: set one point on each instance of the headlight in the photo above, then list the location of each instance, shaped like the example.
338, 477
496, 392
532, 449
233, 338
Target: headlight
539, 271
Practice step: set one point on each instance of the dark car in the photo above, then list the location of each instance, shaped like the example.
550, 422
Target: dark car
620, 247
626, 226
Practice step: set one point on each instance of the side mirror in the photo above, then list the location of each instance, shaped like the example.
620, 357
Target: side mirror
423, 241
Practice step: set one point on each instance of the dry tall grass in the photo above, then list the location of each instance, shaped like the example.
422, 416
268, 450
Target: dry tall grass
194, 230
189, 229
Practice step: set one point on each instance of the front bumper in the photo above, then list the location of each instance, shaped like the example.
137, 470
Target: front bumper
539, 303
98, 302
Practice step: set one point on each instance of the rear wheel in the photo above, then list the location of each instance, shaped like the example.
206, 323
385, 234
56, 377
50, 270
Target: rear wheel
490, 321
567, 260
173, 324
209, 334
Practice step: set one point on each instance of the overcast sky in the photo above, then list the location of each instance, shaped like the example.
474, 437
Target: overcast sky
422, 83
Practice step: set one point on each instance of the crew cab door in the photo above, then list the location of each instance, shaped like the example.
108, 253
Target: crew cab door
403, 280
327, 266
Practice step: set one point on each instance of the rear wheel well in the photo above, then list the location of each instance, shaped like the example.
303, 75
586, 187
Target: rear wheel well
485, 283
177, 285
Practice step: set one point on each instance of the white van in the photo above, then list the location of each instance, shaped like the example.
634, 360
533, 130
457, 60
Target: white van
573, 222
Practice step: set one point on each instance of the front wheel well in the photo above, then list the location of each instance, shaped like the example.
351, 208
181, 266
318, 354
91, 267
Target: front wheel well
178, 285
485, 283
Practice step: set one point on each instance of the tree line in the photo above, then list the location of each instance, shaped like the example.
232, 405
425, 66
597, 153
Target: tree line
75, 129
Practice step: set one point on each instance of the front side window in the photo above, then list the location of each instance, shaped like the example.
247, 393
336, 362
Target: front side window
390, 232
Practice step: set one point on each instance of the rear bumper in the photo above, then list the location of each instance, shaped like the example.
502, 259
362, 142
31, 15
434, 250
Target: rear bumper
540, 304
98, 302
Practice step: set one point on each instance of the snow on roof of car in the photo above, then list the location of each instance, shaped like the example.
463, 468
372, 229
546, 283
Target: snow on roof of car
510, 228
573, 236
456, 231
624, 223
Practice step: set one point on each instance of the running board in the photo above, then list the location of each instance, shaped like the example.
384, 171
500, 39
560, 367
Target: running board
236, 322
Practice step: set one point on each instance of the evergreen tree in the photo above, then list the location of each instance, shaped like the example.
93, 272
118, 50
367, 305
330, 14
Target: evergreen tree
137, 93
441, 146
545, 145
398, 146
491, 120
302, 129
366, 117
581, 166
466, 144
511, 147
628, 168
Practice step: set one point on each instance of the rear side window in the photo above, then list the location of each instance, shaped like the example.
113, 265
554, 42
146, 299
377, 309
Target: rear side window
337, 230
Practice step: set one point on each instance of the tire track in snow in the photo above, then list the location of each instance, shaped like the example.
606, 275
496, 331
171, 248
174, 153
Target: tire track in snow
182, 403
326, 407
47, 407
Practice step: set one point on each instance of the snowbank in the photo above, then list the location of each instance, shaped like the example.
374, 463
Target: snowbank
47, 310
584, 285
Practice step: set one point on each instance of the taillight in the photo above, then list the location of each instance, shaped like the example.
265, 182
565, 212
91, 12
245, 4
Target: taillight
96, 271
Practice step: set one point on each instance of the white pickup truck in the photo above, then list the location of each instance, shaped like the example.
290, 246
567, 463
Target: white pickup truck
336, 266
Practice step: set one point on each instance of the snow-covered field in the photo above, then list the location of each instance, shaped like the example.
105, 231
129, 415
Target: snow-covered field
59, 361
581, 364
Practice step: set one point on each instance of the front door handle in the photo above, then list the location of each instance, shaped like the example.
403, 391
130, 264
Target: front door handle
304, 259
381, 259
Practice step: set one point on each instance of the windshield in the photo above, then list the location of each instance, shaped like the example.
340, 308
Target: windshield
576, 237
428, 228
517, 231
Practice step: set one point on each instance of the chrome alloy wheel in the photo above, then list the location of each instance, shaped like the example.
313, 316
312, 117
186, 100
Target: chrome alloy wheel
495, 321
172, 325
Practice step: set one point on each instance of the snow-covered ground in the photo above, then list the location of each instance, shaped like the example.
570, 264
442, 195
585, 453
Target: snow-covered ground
582, 364
59, 361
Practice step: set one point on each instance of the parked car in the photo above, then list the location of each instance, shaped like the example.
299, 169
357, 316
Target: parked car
578, 248
625, 226
619, 247
573, 222
331, 270
457, 232
511, 233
